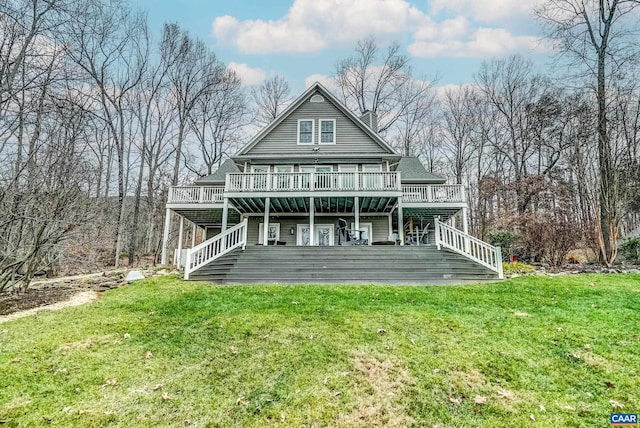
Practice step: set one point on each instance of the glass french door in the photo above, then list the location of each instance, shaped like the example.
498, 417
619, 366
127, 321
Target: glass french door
260, 177
323, 235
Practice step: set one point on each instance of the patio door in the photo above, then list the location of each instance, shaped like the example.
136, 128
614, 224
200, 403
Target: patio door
367, 231
347, 176
283, 177
259, 179
323, 235
372, 181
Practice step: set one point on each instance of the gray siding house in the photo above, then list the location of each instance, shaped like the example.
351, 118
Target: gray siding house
276, 211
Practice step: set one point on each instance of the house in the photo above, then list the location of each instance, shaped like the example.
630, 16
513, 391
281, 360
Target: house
272, 212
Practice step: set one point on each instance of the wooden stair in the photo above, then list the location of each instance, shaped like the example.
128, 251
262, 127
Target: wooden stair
343, 264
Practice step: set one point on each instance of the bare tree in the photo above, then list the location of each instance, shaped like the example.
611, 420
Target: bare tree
599, 38
418, 100
270, 98
460, 128
110, 45
193, 73
372, 80
217, 119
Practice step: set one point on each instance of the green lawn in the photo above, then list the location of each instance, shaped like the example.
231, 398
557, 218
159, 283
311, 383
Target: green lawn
531, 351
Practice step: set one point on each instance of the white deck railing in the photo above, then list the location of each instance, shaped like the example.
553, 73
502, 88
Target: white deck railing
195, 194
318, 181
216, 247
312, 181
434, 193
473, 248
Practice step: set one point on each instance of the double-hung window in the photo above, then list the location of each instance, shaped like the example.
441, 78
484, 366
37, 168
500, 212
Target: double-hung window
305, 131
327, 131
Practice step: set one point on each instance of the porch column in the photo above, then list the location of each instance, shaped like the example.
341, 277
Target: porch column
400, 222
204, 233
225, 214
356, 210
465, 221
265, 228
390, 226
465, 229
165, 236
194, 230
180, 231
312, 213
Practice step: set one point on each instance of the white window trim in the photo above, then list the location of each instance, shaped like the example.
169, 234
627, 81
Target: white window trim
313, 132
261, 231
320, 131
369, 165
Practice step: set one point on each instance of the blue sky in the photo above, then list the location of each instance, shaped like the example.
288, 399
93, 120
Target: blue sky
302, 39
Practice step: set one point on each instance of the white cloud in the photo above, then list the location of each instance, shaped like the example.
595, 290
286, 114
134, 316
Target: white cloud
312, 25
472, 29
248, 75
481, 43
326, 81
485, 10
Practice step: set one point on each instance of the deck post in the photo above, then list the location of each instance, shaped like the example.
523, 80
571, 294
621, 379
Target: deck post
225, 214
180, 237
194, 230
165, 236
265, 225
312, 213
465, 229
400, 221
356, 210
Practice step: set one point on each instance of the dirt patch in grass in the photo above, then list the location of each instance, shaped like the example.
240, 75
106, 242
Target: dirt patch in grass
58, 290
379, 405
11, 301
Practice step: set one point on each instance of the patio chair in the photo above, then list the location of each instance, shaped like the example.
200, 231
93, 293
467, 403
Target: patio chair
349, 236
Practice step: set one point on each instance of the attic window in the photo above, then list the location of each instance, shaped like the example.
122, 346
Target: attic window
305, 131
327, 131
317, 99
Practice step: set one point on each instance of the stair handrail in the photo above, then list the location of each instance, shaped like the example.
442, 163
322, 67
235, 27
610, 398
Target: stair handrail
469, 246
216, 247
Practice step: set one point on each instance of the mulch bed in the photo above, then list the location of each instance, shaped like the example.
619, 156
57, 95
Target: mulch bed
11, 302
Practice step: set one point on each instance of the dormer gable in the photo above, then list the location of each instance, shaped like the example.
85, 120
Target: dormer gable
316, 123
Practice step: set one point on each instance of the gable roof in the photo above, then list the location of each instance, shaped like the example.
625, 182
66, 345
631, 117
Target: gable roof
414, 171
298, 102
219, 175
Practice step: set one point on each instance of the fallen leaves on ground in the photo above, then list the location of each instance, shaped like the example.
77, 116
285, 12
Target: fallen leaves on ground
480, 399
381, 331
616, 404
109, 382
455, 400
148, 354
504, 393
165, 396
241, 401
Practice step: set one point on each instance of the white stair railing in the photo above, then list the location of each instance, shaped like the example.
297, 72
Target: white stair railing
471, 247
216, 247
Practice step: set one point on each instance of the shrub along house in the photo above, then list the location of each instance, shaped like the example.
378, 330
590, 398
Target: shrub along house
272, 212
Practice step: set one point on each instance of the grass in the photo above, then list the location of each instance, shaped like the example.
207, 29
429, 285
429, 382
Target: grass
163, 352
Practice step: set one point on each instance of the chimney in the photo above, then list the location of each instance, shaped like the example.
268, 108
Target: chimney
370, 119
